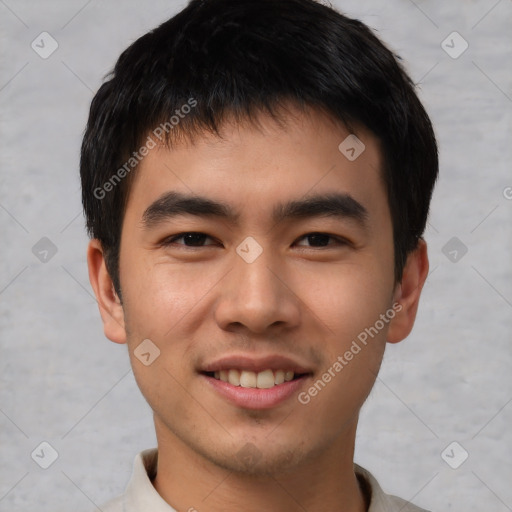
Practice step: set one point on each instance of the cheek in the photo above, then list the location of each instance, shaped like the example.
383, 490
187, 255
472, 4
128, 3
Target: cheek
160, 296
346, 300
349, 303
158, 302
348, 308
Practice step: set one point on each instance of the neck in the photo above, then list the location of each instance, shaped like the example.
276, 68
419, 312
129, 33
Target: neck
324, 482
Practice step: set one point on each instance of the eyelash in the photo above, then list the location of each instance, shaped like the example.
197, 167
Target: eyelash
172, 240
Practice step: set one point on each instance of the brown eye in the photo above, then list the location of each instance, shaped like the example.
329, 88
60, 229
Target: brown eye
190, 239
321, 240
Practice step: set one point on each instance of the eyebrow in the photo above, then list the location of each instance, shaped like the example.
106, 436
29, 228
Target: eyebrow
173, 204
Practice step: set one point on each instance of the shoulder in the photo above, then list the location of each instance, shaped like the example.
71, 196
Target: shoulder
378, 499
404, 506
139, 493
114, 505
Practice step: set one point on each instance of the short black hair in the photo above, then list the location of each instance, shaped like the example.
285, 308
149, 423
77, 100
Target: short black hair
240, 58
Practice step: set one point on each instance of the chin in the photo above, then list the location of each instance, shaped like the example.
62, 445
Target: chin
253, 461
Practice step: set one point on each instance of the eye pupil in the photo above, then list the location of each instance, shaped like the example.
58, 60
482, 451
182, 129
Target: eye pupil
318, 239
194, 238
197, 239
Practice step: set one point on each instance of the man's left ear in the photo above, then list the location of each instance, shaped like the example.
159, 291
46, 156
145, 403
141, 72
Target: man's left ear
407, 293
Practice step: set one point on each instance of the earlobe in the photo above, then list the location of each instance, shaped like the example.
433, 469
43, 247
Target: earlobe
111, 309
408, 292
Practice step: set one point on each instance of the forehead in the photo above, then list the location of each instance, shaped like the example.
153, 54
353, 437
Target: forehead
255, 163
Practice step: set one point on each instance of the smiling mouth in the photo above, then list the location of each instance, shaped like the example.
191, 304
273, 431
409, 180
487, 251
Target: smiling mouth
265, 379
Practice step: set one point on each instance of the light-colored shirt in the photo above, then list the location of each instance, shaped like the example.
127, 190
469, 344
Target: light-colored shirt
141, 496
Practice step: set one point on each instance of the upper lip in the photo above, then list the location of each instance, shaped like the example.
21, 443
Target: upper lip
256, 364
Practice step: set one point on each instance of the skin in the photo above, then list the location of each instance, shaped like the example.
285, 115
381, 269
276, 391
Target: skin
296, 299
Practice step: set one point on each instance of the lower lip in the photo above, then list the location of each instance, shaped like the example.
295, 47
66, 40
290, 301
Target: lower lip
255, 398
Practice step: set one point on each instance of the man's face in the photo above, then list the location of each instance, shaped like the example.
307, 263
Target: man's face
292, 297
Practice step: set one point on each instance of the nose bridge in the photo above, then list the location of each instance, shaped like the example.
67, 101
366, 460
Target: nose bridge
257, 283
255, 296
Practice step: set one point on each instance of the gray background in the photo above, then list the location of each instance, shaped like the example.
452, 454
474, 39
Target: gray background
62, 382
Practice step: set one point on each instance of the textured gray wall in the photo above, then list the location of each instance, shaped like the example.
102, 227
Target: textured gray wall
63, 383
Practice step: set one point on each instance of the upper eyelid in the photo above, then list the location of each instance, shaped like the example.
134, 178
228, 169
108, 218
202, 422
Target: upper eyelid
172, 238
338, 239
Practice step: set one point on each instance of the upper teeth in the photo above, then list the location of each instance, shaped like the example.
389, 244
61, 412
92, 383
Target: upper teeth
263, 380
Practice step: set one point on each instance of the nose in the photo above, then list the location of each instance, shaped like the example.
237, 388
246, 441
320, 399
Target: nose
257, 297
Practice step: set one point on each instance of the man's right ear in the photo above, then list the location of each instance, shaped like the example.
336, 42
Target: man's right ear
111, 310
